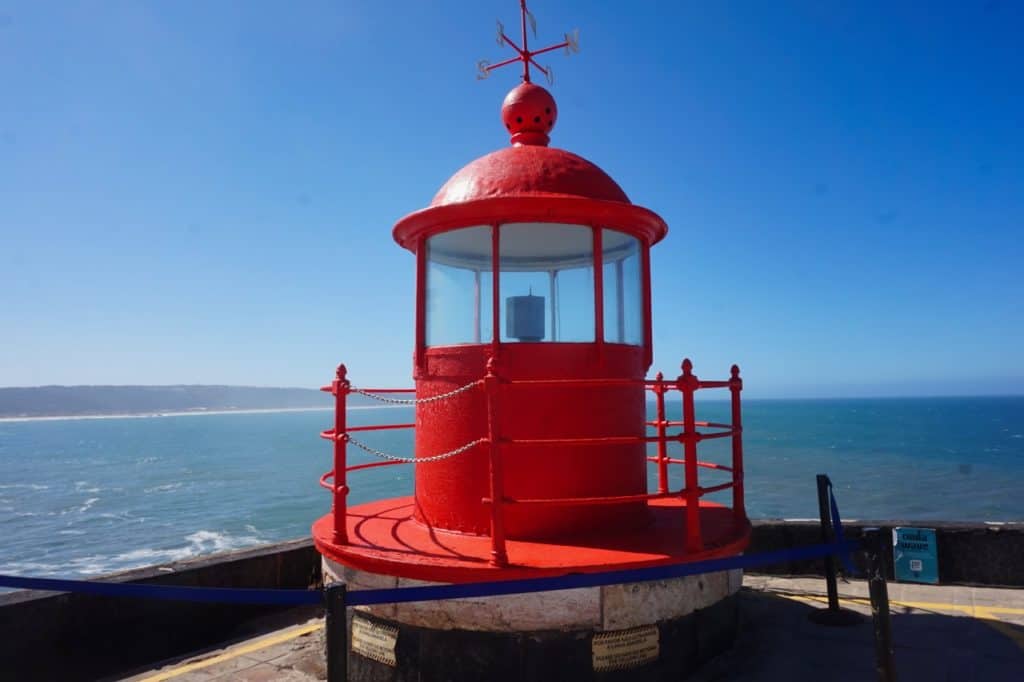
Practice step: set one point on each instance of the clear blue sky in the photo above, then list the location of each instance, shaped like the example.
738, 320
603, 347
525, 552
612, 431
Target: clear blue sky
204, 192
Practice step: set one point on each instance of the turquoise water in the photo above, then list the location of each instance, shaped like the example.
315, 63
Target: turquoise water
85, 497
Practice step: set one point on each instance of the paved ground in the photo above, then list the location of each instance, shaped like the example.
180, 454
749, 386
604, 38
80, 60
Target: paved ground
940, 633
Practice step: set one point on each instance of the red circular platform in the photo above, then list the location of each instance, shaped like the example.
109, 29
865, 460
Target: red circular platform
384, 538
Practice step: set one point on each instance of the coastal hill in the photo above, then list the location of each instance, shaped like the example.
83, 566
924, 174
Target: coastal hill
74, 401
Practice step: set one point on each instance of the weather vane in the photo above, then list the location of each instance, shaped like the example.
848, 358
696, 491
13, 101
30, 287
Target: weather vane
525, 55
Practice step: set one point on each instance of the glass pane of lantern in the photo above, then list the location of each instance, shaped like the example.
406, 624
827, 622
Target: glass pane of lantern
458, 293
547, 282
623, 288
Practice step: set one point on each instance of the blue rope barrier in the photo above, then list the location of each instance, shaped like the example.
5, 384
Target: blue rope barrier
227, 595
567, 582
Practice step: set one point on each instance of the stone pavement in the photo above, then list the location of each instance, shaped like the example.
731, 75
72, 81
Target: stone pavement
940, 633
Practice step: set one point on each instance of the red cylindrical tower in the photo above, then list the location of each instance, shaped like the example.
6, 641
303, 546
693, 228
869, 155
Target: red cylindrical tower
532, 343
535, 258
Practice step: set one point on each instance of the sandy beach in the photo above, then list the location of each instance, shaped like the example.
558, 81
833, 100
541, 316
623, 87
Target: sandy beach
188, 413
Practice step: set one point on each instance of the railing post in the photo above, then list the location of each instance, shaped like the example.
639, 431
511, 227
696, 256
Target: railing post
688, 384
659, 391
875, 542
492, 384
340, 388
738, 504
336, 634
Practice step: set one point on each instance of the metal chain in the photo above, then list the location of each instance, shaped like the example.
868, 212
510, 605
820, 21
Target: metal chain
415, 460
417, 401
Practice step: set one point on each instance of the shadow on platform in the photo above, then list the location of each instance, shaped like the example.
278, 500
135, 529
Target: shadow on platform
778, 641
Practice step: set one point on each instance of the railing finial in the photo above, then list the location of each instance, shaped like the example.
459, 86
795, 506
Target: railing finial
735, 372
342, 372
687, 367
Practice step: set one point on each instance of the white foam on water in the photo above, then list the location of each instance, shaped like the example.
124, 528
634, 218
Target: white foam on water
146, 557
208, 541
199, 543
167, 487
196, 544
29, 486
85, 506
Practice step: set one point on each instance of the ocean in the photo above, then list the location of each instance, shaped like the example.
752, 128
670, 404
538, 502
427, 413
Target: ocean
84, 497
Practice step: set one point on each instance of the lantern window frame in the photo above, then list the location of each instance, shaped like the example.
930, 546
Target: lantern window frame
596, 228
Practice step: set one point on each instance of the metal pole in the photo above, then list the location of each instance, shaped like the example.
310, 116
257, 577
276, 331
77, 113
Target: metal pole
738, 504
553, 295
620, 303
599, 333
833, 615
825, 515
337, 632
879, 591
526, 50
499, 555
421, 304
688, 384
659, 391
340, 510
476, 306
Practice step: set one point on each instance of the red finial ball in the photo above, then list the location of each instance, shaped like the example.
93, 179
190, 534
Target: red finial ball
529, 113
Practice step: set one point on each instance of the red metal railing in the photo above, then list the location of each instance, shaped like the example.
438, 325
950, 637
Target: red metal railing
687, 384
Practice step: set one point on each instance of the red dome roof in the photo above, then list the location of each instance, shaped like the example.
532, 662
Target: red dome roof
529, 170
528, 182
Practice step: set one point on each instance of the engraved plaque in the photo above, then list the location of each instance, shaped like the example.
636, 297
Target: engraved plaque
376, 642
622, 649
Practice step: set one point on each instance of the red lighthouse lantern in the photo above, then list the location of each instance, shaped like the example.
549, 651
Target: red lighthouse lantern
533, 443
532, 259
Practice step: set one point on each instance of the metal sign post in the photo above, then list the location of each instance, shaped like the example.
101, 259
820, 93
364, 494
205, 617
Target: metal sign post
875, 541
336, 632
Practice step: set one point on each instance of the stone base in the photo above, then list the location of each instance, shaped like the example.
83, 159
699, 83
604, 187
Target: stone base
672, 627
426, 654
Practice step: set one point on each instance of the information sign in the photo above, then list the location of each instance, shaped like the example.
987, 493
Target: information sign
915, 555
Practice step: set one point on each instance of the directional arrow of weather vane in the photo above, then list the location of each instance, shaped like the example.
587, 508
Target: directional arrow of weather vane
524, 54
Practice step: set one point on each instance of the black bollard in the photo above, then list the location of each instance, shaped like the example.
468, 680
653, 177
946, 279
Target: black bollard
833, 615
825, 516
877, 567
336, 632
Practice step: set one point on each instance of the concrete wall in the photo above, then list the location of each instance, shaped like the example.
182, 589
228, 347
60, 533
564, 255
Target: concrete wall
47, 636
969, 553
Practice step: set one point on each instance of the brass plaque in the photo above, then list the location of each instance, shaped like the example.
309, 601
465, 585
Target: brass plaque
376, 642
625, 648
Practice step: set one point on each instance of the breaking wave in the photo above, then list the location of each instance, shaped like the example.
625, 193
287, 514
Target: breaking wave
196, 544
